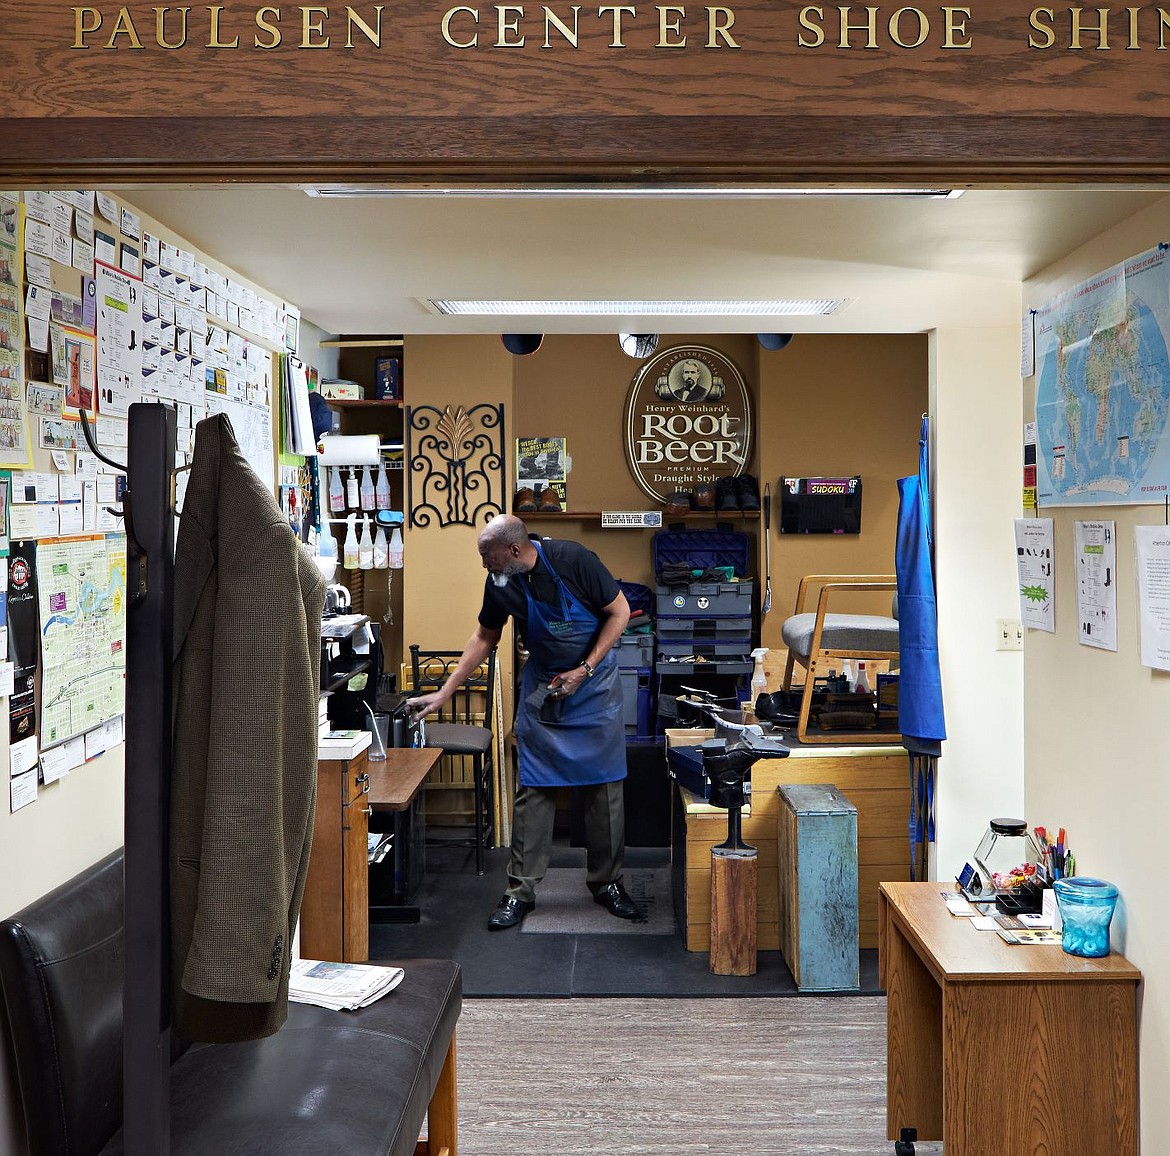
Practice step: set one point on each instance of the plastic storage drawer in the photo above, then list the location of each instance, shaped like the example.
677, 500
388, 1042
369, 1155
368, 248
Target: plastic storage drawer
634, 650
705, 630
702, 549
705, 600
637, 703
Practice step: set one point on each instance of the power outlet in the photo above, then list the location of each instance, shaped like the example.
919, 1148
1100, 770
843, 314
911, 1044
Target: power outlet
1009, 634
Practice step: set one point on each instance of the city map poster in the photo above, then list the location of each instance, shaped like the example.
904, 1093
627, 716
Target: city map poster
82, 596
1103, 388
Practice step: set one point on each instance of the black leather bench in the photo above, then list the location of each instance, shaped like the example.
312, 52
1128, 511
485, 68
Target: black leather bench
359, 1083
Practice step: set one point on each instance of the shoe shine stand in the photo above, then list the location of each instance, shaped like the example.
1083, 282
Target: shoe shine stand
734, 864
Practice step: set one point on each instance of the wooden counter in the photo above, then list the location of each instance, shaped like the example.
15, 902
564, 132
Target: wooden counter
1000, 1050
335, 911
876, 780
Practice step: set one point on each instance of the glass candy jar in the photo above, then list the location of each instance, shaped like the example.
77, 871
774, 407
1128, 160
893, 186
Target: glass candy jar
1007, 854
1086, 910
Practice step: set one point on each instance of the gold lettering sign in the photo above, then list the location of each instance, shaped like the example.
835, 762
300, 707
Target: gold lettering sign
219, 26
688, 420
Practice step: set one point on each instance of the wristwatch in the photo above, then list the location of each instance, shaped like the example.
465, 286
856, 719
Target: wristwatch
588, 670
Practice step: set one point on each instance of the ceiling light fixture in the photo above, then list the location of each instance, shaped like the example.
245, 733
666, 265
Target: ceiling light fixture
795, 307
601, 191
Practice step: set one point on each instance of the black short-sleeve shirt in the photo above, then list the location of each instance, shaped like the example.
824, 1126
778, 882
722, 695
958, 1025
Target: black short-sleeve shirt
580, 569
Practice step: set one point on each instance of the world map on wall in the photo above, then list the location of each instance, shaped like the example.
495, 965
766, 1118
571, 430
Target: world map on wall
1103, 388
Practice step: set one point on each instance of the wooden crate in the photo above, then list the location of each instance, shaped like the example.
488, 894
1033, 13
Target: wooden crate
876, 780
817, 883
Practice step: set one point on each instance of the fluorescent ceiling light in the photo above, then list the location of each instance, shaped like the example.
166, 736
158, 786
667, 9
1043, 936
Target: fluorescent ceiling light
819, 307
600, 190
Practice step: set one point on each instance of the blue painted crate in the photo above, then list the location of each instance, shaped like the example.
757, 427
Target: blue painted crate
817, 852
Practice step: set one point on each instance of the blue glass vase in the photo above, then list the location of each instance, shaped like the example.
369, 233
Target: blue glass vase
1086, 910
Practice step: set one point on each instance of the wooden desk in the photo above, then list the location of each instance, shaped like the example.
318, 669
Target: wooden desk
395, 783
1001, 1050
335, 915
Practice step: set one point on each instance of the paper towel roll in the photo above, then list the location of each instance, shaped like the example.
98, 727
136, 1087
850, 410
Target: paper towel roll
348, 450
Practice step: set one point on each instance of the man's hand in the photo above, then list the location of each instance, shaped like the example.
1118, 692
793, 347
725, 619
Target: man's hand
425, 704
566, 683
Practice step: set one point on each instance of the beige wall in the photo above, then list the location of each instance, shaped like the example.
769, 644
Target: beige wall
837, 406
1095, 738
442, 582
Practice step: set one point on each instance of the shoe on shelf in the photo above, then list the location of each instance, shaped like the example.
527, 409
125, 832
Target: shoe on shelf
614, 899
725, 495
550, 501
509, 912
703, 496
677, 503
525, 501
747, 490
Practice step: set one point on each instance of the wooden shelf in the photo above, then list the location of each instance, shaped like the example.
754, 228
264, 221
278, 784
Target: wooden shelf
362, 402
667, 519
364, 343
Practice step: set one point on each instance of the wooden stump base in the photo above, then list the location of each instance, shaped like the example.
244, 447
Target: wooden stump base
733, 912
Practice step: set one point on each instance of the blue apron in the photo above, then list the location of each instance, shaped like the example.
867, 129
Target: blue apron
920, 702
587, 744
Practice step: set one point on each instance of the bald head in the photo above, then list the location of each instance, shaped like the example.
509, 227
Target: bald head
503, 530
505, 548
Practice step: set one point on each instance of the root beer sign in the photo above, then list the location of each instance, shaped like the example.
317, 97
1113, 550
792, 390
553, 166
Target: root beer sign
688, 420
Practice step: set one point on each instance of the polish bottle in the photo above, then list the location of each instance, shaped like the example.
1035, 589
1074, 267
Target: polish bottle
382, 490
861, 686
367, 489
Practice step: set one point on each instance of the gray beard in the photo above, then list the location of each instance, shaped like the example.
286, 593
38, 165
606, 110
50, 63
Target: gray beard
500, 579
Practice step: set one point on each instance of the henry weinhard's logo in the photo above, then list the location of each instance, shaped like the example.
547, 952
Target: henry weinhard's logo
688, 420
18, 575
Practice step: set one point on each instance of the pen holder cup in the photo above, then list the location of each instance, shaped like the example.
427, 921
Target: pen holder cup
1086, 910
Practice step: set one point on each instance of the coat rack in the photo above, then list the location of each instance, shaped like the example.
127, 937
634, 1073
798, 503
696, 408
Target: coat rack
148, 509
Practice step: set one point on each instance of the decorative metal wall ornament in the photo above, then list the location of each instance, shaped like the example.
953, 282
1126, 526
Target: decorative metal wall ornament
455, 464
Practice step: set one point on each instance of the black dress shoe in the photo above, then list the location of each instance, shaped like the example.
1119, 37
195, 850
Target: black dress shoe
509, 912
614, 899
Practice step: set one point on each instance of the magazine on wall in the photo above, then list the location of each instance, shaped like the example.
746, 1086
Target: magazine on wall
542, 463
340, 986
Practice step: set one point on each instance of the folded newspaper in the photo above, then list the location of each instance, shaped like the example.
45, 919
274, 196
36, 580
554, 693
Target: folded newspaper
340, 986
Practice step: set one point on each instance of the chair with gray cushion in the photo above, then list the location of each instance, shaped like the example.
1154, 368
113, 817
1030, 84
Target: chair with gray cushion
458, 728
818, 641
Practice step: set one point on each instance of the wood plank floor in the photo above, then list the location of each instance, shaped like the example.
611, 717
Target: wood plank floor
673, 1077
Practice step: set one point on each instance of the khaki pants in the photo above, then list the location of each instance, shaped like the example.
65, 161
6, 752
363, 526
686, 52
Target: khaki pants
533, 814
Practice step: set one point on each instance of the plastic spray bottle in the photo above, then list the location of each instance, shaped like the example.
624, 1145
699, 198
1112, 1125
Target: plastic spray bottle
396, 549
367, 489
365, 547
350, 557
381, 550
759, 683
336, 491
382, 489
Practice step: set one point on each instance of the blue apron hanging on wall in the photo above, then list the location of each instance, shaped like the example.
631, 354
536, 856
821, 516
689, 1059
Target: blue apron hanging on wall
586, 743
920, 702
